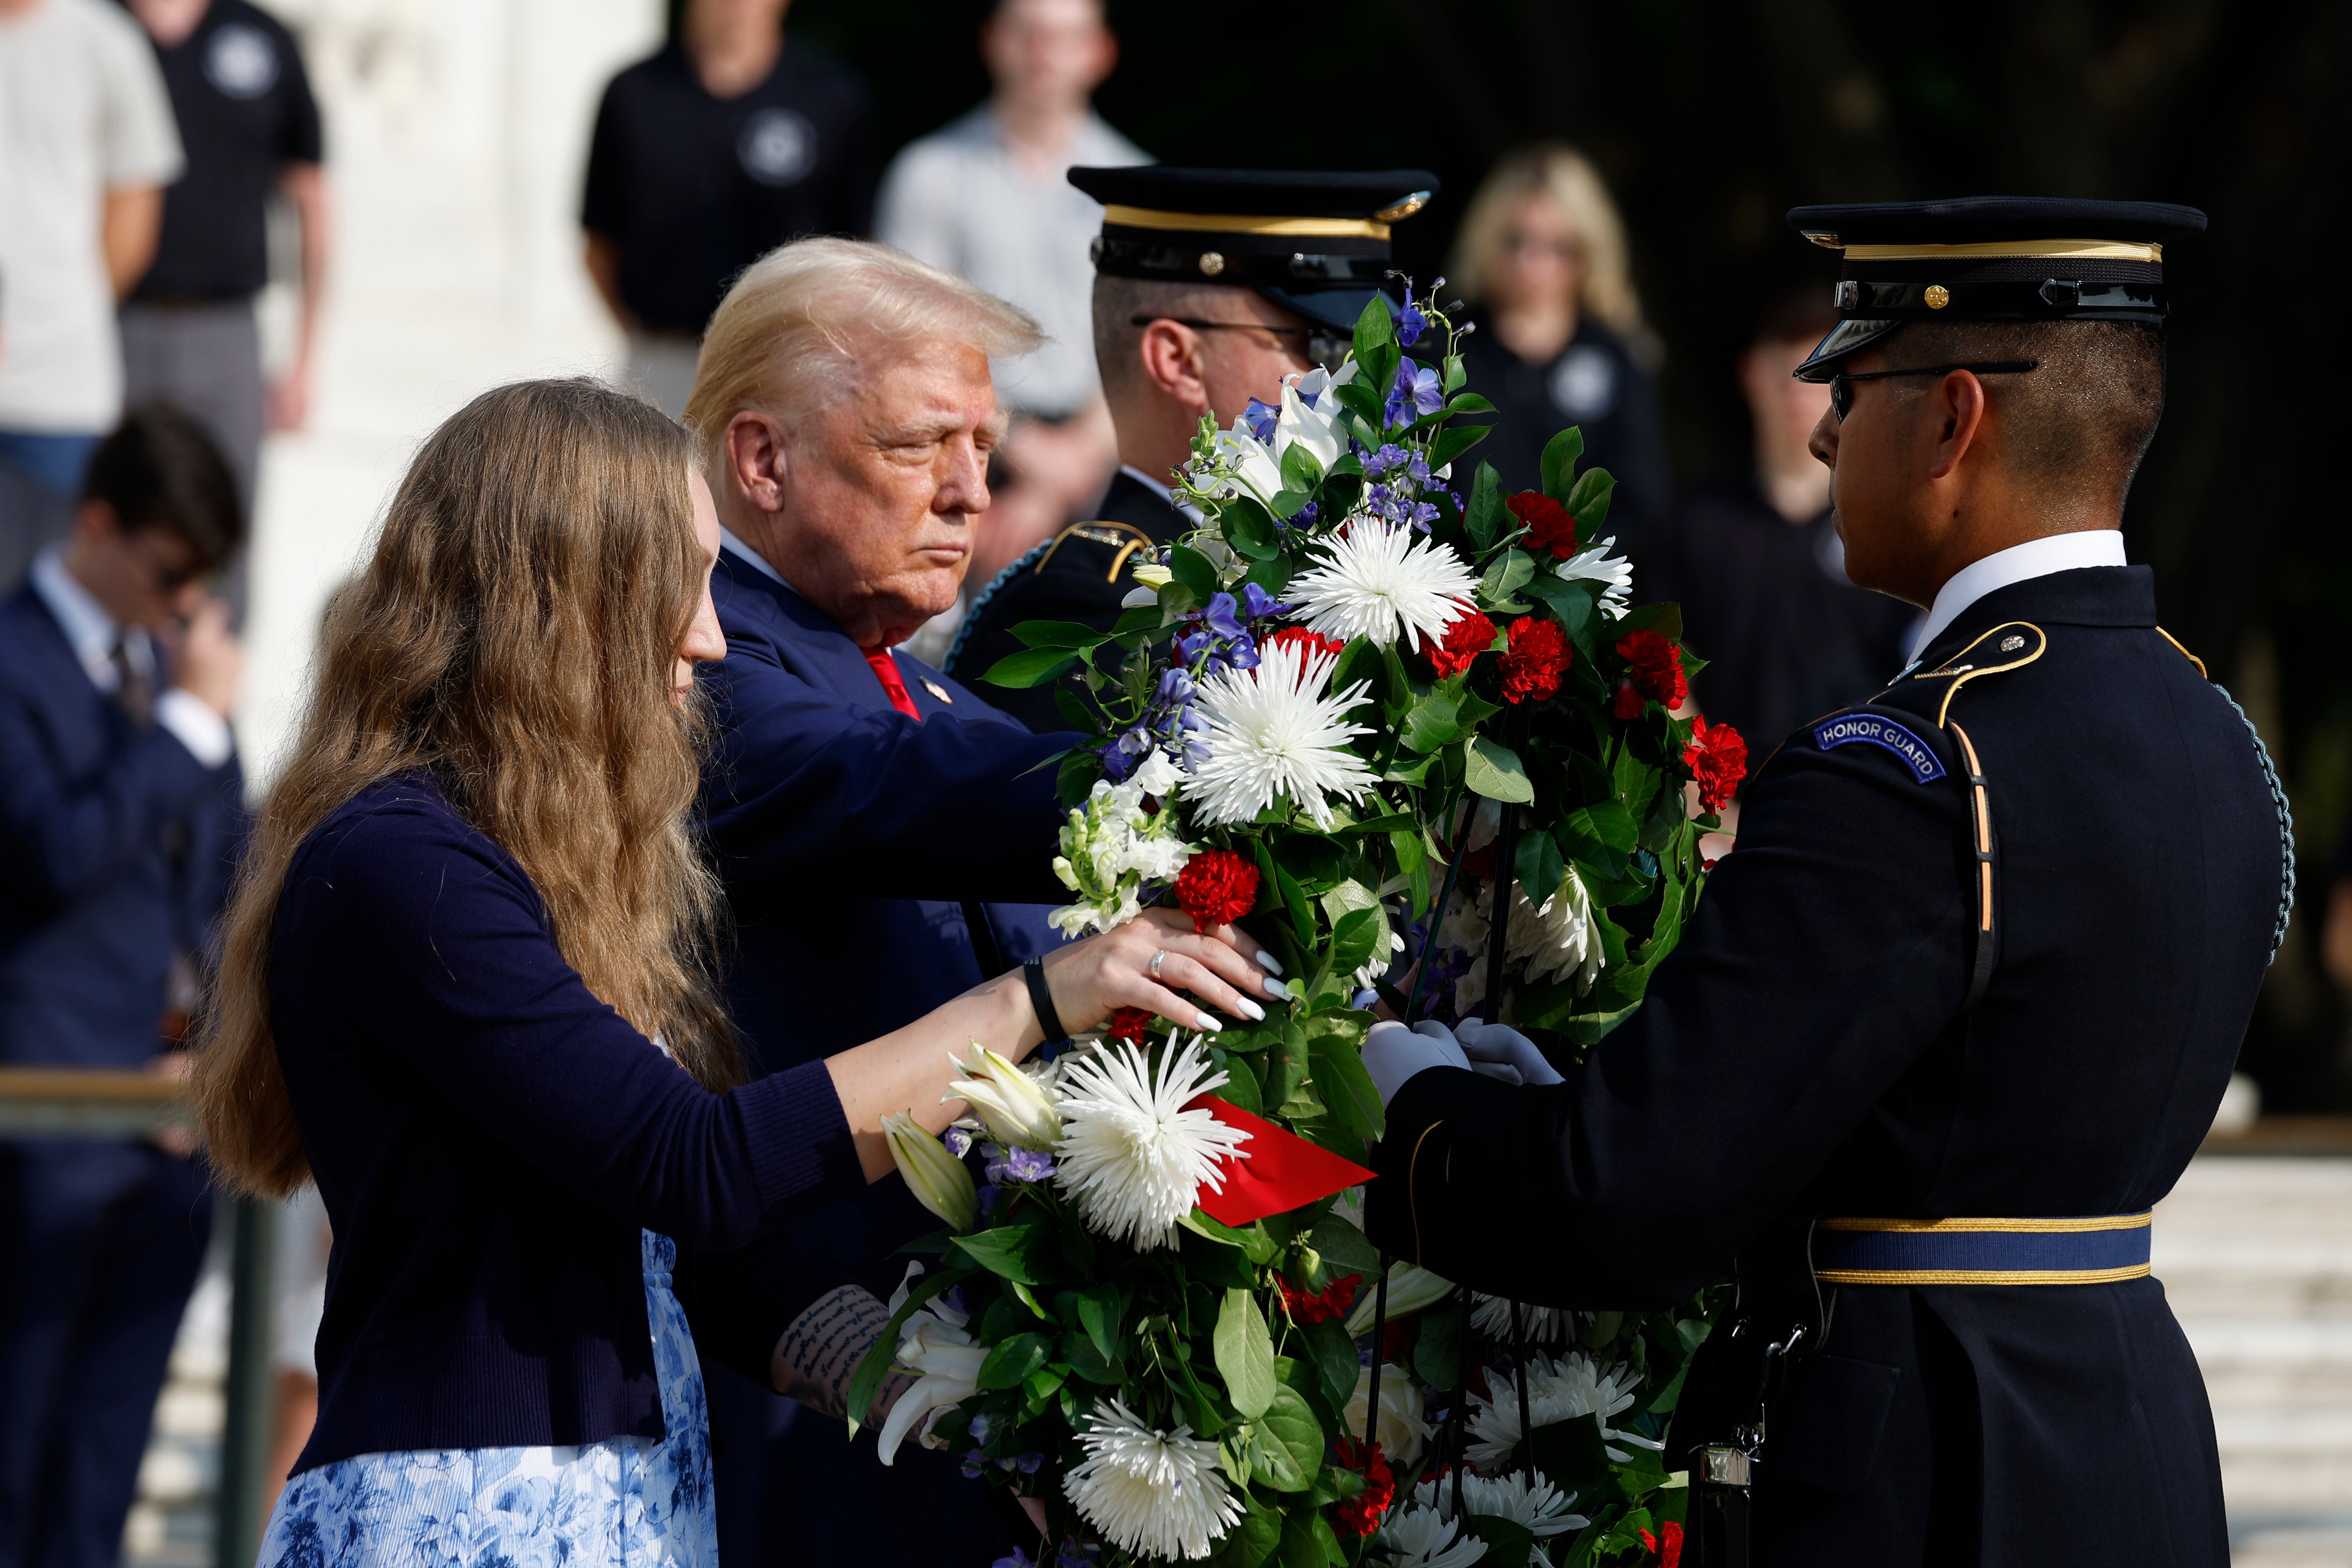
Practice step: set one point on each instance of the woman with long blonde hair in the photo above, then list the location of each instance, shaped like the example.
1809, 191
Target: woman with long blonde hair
1542, 256
464, 988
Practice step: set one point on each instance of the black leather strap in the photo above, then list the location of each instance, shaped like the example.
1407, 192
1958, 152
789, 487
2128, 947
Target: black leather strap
1041, 998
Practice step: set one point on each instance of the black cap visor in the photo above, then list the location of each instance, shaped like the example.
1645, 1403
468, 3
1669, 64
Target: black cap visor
1829, 355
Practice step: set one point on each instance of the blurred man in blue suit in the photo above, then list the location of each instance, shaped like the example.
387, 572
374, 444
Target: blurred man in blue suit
119, 818
864, 810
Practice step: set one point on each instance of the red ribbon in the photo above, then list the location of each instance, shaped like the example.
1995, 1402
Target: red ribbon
1276, 1172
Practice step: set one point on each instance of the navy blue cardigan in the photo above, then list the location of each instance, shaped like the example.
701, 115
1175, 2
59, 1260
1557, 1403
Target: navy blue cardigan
490, 1138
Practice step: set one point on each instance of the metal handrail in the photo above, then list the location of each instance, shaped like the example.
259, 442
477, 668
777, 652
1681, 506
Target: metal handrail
94, 1102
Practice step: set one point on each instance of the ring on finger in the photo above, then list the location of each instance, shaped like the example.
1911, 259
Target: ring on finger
1157, 960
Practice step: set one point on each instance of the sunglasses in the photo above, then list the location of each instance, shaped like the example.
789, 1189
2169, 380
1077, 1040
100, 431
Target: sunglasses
1841, 386
1326, 346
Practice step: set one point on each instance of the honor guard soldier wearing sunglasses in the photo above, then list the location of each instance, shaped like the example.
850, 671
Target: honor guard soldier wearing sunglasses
1211, 286
1960, 1006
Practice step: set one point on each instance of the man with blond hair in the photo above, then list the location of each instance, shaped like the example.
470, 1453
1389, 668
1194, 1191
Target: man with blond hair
844, 399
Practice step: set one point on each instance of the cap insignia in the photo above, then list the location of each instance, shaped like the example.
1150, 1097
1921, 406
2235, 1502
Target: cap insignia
1211, 263
2012, 643
1397, 212
1937, 296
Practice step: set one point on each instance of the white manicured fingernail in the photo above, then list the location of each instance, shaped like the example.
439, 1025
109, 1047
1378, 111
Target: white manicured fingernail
1268, 962
1274, 989
1210, 1023
1250, 1010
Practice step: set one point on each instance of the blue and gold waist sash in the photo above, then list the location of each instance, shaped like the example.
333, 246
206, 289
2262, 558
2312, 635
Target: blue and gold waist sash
2090, 1250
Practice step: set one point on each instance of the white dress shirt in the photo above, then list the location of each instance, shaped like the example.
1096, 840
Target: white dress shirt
2019, 562
92, 634
1159, 489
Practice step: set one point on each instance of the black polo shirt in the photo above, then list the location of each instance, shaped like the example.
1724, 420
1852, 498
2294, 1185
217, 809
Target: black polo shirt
245, 110
694, 188
1595, 383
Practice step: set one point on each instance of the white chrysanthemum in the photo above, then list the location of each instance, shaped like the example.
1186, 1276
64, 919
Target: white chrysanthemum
1401, 1429
1383, 583
1421, 1538
1597, 565
1558, 1390
1491, 1315
1537, 1503
1273, 732
1157, 1494
1559, 940
1130, 1152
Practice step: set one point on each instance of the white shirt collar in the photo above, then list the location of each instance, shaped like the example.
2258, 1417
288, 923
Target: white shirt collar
88, 629
750, 557
2019, 562
1161, 490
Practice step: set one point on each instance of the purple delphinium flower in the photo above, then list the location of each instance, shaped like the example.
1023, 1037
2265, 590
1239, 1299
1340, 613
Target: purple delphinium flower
1019, 1559
1389, 455
1260, 417
1118, 762
1423, 514
1415, 394
1305, 517
1027, 1463
972, 1473
1075, 1555
958, 1141
1411, 322
1019, 1166
980, 1427
1257, 603
1417, 470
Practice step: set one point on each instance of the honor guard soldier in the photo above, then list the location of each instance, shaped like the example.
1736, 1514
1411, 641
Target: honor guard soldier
1211, 286
1959, 1006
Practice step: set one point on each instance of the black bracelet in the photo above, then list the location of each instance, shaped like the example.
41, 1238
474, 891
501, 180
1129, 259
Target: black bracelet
1033, 972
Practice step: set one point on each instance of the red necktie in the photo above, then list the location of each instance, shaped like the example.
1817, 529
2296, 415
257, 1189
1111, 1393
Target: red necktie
885, 670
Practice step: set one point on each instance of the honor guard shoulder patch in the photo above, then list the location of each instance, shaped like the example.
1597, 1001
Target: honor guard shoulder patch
1845, 729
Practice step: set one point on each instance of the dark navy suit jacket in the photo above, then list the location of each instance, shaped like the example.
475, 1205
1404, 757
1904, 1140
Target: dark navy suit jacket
116, 845
863, 853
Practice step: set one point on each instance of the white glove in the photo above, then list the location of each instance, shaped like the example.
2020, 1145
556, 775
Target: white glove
1505, 1055
1393, 1054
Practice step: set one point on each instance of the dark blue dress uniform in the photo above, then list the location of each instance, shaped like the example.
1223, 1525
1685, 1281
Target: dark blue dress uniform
875, 867
1080, 575
115, 848
1951, 1018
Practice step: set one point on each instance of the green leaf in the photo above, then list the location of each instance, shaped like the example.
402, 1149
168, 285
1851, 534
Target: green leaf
1537, 864
1249, 529
1058, 634
1301, 469
1353, 938
1437, 1353
1588, 500
1508, 1543
1244, 1353
1360, 660
1435, 720
1487, 518
1451, 443
1569, 1453
1290, 1440
1469, 402
1455, 374
1602, 833
1286, 1063
1192, 569
1294, 899
1346, 1087
1273, 574
1096, 1306
867, 1381
1011, 1360
1335, 1359
1511, 571
1345, 1248
1030, 668
1375, 329
1252, 1541
1022, 1252
1214, 1253
1307, 1540
1142, 618
1076, 776
1089, 1363
1570, 604
1663, 618
1493, 770
1413, 865
1071, 708
1559, 454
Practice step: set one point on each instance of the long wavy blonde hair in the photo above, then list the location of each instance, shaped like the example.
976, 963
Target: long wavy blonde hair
1565, 177
514, 632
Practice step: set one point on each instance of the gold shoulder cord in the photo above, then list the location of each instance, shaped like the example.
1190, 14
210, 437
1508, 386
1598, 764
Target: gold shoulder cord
1411, 1186
2184, 653
1125, 535
2029, 638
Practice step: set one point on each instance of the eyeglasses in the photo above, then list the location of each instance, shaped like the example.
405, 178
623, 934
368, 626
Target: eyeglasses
1842, 389
1325, 346
168, 579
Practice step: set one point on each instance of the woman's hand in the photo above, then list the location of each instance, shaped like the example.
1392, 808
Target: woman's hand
1223, 967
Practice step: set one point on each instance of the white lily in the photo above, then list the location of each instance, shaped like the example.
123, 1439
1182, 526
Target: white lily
1009, 1101
948, 1363
937, 1178
1411, 1288
1308, 417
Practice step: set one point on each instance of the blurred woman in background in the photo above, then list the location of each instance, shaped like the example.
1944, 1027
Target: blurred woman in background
1541, 257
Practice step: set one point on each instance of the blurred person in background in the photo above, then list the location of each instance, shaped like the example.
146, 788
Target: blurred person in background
1204, 302
985, 198
119, 815
250, 129
1756, 562
1541, 257
727, 142
87, 147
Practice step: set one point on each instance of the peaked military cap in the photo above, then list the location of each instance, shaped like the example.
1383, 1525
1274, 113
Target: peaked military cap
1990, 258
1316, 243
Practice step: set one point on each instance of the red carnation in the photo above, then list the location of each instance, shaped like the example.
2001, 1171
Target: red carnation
1216, 888
1667, 1544
1657, 675
1467, 636
1549, 525
1318, 1307
1395, 1339
1536, 659
1314, 642
1360, 1514
1128, 1024
1718, 758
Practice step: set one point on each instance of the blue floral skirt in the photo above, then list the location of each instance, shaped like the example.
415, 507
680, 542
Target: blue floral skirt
626, 1502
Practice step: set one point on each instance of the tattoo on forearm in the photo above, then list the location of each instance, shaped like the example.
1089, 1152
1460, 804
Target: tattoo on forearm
820, 1351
